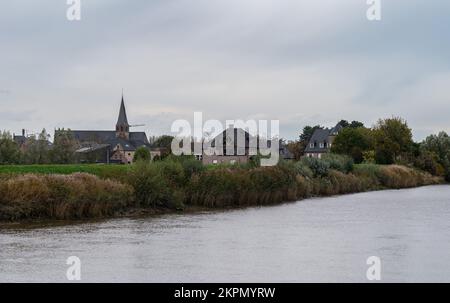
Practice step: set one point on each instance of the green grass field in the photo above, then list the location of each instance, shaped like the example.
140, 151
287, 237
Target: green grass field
101, 170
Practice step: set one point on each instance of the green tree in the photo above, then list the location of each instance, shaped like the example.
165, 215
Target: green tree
297, 148
142, 154
9, 150
353, 142
164, 142
308, 132
437, 148
393, 140
64, 147
356, 124
344, 123
37, 149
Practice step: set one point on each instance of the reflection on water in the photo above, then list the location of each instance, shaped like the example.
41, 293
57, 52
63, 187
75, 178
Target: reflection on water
316, 240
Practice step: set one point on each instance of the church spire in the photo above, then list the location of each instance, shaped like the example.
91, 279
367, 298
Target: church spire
122, 126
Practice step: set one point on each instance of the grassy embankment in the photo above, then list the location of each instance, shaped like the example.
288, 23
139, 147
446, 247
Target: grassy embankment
84, 191
100, 170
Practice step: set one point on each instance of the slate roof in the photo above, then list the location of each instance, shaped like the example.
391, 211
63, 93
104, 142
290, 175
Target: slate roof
137, 139
122, 120
322, 135
92, 148
237, 134
335, 130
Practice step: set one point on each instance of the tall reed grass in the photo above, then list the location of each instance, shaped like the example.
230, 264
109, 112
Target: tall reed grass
176, 183
79, 195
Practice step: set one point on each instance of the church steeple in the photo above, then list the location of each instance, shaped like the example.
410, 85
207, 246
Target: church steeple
122, 126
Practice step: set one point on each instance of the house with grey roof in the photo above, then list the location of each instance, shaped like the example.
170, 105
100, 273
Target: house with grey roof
321, 141
110, 146
232, 146
237, 146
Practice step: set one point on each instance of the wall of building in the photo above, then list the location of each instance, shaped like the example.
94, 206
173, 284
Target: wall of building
217, 159
314, 155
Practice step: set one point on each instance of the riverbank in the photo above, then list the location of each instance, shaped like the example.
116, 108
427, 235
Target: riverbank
175, 186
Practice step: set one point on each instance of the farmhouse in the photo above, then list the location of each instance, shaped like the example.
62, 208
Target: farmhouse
321, 141
237, 146
232, 146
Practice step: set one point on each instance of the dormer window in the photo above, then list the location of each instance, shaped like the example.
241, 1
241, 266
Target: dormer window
321, 145
311, 145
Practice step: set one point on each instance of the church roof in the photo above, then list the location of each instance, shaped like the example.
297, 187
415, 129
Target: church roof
122, 120
96, 138
136, 140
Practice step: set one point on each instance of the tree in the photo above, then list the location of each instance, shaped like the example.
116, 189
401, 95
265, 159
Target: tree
9, 150
164, 142
344, 123
37, 149
439, 145
142, 154
297, 148
64, 147
393, 140
436, 148
308, 132
353, 142
356, 124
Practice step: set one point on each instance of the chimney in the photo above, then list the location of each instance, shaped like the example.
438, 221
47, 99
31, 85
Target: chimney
23, 132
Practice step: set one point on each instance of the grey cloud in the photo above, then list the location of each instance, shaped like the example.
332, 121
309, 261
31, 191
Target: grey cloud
303, 62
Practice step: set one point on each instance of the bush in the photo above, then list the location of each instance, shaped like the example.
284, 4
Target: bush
341, 163
303, 170
319, 168
154, 184
428, 161
191, 166
142, 154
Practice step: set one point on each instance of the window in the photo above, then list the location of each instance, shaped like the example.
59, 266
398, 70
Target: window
321, 145
311, 145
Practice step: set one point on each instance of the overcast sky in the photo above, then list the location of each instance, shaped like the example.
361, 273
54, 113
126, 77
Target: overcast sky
300, 61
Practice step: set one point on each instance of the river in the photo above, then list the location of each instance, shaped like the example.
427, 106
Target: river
314, 240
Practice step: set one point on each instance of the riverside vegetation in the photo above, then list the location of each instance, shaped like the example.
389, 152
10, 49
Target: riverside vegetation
179, 183
54, 186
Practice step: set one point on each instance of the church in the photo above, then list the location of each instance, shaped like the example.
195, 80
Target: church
110, 146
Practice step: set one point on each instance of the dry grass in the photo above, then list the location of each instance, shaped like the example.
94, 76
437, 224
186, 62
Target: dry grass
73, 196
82, 195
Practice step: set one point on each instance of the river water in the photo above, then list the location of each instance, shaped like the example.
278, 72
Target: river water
315, 240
